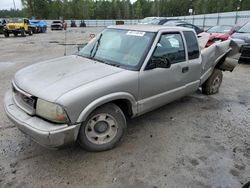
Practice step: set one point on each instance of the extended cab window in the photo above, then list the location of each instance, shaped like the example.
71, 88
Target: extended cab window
170, 46
192, 45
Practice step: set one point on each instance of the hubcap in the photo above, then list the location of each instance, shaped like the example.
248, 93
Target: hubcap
216, 84
101, 129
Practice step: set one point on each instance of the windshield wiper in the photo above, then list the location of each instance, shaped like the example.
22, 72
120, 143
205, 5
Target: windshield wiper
100, 60
96, 46
106, 62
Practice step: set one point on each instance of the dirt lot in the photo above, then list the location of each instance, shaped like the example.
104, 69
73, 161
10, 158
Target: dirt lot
197, 141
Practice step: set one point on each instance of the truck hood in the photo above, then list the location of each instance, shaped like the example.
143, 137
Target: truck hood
219, 35
51, 79
215, 35
14, 25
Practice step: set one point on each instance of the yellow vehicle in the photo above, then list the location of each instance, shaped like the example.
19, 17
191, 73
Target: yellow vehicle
18, 26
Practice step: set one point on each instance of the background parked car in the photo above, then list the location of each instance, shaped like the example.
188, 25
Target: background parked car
57, 25
2, 24
147, 20
219, 33
18, 26
82, 24
184, 24
73, 23
159, 21
244, 34
40, 26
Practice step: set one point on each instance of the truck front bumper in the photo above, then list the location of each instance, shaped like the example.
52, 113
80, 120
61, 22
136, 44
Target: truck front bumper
43, 132
245, 51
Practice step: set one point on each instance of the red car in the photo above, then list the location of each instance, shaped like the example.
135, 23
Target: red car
219, 33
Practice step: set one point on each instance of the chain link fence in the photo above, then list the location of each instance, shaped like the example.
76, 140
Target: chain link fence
204, 21
225, 18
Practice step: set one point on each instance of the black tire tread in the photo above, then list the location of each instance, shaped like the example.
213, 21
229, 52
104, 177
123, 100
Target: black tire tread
206, 86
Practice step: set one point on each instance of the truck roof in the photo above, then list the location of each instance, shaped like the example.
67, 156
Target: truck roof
149, 28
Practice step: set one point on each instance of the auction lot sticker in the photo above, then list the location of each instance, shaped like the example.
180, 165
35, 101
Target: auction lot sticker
136, 33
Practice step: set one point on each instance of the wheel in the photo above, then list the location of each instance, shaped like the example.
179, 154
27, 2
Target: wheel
103, 129
15, 34
6, 34
30, 32
212, 85
22, 33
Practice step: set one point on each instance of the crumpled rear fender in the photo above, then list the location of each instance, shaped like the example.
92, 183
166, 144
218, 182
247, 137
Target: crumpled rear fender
224, 56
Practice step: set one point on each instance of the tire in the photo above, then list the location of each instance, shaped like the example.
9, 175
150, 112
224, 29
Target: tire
212, 85
30, 32
103, 129
22, 33
6, 34
15, 34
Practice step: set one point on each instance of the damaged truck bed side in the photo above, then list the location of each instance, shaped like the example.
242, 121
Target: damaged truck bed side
124, 72
223, 55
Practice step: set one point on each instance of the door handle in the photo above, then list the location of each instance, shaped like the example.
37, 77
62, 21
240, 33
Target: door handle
185, 69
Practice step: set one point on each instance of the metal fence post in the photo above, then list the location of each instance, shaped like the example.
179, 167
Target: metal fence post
236, 17
218, 19
204, 19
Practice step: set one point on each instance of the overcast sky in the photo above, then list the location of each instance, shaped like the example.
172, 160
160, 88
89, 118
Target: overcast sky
8, 4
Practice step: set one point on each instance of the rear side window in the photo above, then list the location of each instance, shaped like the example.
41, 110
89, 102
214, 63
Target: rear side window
192, 45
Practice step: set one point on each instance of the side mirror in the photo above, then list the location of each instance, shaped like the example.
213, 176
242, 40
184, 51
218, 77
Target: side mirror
81, 46
163, 63
158, 63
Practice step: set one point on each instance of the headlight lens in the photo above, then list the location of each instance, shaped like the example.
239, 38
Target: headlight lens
51, 111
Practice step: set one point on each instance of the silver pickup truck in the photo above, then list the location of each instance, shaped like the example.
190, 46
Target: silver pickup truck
123, 72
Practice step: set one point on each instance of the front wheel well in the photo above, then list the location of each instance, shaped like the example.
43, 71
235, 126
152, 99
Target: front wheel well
125, 106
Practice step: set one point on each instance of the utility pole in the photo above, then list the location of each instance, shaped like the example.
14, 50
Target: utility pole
14, 4
158, 12
237, 10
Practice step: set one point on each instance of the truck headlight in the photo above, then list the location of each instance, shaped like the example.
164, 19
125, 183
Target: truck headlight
51, 111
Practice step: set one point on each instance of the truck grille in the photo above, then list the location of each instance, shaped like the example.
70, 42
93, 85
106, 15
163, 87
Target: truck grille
23, 100
245, 51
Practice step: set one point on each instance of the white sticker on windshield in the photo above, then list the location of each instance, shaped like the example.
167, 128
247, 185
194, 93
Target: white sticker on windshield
136, 33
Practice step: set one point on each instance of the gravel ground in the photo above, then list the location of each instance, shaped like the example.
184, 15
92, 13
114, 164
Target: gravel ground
197, 141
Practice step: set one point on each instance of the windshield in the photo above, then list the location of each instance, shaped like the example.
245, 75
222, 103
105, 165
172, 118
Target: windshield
147, 19
56, 22
16, 20
220, 29
245, 28
122, 48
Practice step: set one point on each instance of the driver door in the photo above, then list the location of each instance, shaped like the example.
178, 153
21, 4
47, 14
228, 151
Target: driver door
158, 86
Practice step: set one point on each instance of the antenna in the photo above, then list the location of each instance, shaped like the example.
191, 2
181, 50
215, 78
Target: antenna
14, 4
